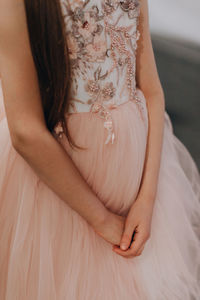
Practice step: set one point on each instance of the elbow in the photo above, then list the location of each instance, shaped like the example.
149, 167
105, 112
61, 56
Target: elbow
23, 139
157, 97
153, 91
160, 97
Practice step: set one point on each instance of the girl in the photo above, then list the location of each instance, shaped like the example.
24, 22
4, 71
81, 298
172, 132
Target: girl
98, 198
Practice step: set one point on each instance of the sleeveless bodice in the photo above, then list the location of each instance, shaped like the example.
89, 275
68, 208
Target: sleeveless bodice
102, 41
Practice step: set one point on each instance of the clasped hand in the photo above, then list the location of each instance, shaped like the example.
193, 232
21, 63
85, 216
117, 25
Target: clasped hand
128, 235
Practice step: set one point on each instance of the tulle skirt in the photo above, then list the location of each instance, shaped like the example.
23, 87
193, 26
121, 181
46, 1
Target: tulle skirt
49, 252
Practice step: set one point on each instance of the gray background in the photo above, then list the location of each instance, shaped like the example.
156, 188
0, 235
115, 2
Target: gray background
178, 65
174, 26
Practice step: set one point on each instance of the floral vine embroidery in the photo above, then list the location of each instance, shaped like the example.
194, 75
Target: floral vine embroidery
129, 6
95, 34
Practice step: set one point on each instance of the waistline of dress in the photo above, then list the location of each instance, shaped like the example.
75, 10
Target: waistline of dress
104, 112
109, 107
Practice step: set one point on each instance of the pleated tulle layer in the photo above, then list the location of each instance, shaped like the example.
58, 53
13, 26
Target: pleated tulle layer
49, 252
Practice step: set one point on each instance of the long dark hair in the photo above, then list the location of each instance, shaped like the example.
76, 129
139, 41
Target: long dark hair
50, 53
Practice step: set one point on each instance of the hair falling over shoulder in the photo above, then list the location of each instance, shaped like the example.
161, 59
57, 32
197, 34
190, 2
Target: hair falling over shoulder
50, 54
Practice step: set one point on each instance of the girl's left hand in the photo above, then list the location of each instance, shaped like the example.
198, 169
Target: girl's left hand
137, 229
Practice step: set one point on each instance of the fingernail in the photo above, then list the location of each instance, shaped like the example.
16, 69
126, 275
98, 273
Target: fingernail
123, 246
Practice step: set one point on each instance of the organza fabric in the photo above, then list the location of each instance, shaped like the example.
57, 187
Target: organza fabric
50, 252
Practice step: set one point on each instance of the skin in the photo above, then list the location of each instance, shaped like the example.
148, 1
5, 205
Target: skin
25, 115
140, 215
28, 131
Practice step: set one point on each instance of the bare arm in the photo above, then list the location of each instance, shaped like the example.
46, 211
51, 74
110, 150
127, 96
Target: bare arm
28, 131
148, 81
140, 214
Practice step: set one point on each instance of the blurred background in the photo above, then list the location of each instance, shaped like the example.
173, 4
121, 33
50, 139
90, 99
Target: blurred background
175, 31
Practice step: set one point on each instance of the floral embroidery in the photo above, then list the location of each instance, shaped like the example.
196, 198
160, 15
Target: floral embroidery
96, 50
102, 41
84, 39
100, 91
110, 6
108, 91
93, 88
73, 47
86, 25
131, 7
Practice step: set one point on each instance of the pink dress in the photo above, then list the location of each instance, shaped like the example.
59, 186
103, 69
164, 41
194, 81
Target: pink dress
48, 251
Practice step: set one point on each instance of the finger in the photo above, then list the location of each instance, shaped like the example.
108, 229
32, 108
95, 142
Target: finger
128, 253
140, 250
137, 243
124, 253
127, 236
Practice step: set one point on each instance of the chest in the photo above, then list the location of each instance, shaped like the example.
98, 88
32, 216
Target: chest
92, 15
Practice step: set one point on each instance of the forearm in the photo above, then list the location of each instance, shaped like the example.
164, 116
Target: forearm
25, 116
156, 108
53, 165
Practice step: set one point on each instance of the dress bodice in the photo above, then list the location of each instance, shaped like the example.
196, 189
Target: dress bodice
102, 41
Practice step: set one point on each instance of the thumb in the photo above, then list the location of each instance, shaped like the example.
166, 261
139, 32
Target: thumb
126, 236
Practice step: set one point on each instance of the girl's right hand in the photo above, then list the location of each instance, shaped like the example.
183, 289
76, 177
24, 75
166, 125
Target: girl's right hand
112, 228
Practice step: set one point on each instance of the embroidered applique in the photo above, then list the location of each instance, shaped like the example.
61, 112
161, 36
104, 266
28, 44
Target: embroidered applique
102, 41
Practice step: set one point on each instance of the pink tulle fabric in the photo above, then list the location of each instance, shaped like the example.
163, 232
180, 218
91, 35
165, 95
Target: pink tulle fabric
49, 252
